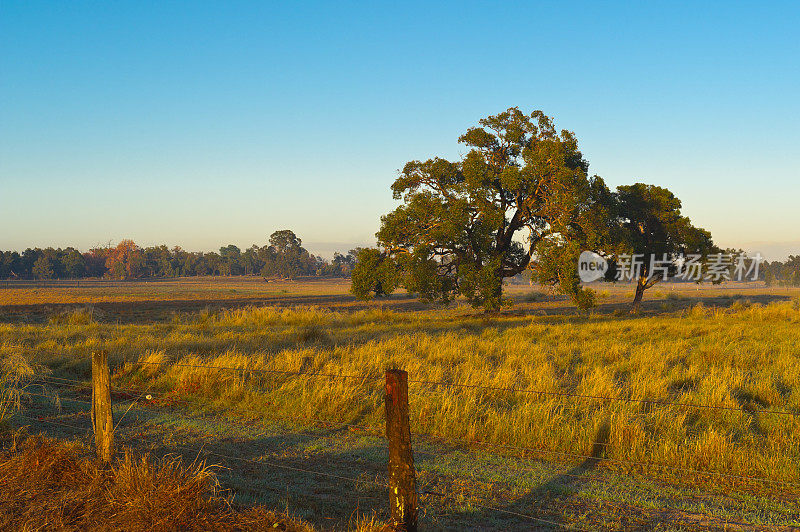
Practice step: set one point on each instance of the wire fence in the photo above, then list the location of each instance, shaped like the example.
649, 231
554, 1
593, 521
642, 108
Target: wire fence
561, 394
139, 398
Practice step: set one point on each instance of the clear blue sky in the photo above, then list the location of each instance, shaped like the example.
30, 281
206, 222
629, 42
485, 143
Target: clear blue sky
205, 123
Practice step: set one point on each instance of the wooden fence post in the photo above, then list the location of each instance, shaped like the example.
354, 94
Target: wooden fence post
402, 482
102, 414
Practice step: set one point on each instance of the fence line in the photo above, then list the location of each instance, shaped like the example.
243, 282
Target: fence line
260, 370
542, 450
321, 473
75, 384
321, 422
294, 468
651, 465
51, 422
537, 450
657, 402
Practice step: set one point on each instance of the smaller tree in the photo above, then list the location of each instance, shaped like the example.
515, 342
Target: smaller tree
653, 228
286, 256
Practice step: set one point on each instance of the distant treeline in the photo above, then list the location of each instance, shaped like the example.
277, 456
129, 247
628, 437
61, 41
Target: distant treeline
783, 273
284, 256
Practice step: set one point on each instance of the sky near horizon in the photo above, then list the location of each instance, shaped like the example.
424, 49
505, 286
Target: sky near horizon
206, 123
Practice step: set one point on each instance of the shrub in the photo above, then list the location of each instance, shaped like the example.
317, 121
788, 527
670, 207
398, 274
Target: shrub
535, 296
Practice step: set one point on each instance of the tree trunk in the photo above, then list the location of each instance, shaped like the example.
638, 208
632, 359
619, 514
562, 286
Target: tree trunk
641, 286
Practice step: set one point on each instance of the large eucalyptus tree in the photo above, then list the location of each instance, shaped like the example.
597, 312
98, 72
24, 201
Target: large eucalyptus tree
521, 192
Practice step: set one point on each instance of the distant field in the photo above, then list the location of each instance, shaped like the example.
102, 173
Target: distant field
187, 289
678, 415
144, 301
157, 299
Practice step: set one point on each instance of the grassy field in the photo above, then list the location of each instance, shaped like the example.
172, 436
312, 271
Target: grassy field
684, 416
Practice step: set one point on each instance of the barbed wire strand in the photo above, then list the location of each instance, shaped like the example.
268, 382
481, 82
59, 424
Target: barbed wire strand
262, 370
282, 466
50, 421
658, 402
167, 397
652, 465
84, 385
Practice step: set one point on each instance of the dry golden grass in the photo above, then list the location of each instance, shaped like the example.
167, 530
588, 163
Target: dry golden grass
738, 357
740, 361
50, 485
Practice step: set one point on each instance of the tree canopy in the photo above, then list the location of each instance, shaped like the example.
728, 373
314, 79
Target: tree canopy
652, 227
521, 191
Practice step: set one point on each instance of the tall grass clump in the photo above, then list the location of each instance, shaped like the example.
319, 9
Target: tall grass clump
16, 374
69, 490
75, 317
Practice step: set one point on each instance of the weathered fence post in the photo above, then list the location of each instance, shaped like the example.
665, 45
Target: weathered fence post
402, 482
102, 415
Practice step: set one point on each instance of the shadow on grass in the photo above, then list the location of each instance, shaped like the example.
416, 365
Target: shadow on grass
329, 476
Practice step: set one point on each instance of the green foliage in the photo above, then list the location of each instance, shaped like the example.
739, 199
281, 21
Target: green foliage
230, 256
43, 268
375, 274
651, 225
286, 257
521, 191
74, 264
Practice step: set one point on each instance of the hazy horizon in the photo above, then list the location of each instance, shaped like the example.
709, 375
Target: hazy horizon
770, 251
